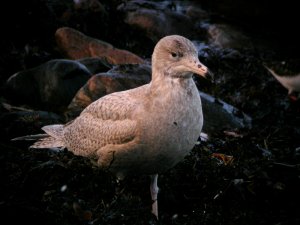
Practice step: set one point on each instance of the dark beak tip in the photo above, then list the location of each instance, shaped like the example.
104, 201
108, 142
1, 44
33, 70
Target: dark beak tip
210, 76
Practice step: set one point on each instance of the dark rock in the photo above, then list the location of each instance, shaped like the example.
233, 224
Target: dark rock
196, 13
95, 64
90, 5
219, 115
133, 5
50, 86
261, 17
226, 36
158, 19
20, 123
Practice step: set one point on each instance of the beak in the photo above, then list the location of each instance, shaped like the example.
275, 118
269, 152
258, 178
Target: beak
197, 67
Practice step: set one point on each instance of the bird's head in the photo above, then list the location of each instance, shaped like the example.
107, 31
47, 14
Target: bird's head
177, 57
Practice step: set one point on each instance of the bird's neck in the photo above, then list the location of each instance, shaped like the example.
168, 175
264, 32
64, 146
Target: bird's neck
161, 82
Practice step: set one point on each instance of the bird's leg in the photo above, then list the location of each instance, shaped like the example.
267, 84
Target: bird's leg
154, 191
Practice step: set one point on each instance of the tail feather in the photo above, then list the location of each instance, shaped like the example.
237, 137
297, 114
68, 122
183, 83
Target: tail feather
55, 130
48, 142
53, 138
33, 137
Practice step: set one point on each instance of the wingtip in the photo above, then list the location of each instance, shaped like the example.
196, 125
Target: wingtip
33, 137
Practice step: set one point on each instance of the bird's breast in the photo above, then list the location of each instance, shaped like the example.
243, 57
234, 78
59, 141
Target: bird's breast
173, 125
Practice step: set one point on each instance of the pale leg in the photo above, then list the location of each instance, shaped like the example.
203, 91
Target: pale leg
154, 192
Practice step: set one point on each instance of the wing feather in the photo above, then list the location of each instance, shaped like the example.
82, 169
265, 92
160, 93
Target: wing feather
108, 121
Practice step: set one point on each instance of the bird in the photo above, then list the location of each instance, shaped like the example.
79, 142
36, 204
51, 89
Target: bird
287, 73
145, 130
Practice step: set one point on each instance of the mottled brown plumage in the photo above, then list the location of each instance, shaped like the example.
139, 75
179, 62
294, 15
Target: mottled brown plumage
143, 130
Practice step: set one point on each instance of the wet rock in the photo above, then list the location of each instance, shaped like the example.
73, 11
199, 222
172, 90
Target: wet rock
120, 78
158, 19
196, 13
219, 115
133, 5
91, 5
19, 123
95, 64
50, 86
261, 17
259, 14
226, 36
76, 45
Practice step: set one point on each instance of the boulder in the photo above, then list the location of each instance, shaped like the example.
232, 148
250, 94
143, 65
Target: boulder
50, 86
158, 19
95, 64
76, 45
227, 36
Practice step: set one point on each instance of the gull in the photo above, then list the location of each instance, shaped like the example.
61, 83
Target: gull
145, 130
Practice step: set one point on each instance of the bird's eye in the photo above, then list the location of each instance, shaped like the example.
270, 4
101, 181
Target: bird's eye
174, 54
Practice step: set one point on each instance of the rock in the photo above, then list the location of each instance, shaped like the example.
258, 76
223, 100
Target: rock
90, 5
226, 36
119, 78
50, 86
157, 19
261, 18
134, 5
196, 13
95, 64
76, 45
259, 14
19, 123
219, 115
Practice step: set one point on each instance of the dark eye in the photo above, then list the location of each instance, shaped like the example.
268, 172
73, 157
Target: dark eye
174, 54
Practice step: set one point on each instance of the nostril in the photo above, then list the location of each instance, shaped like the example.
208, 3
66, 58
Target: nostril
199, 65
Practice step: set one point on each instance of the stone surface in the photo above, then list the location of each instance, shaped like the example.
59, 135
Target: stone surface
95, 64
76, 45
158, 19
219, 115
18, 123
226, 36
50, 86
